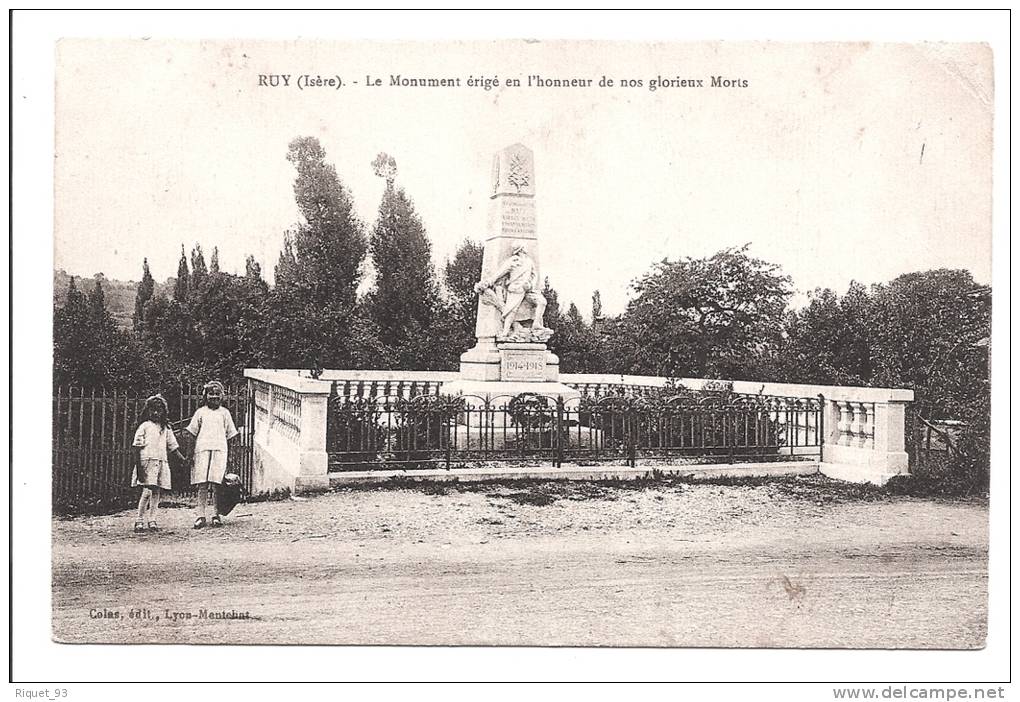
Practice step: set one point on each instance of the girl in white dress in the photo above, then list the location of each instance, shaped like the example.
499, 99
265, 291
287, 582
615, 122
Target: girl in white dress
153, 440
212, 426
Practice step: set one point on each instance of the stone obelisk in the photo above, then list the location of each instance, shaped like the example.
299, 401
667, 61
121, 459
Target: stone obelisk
510, 355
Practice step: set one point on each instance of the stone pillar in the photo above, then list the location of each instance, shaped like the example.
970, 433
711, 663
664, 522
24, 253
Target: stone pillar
890, 434
290, 442
313, 461
831, 422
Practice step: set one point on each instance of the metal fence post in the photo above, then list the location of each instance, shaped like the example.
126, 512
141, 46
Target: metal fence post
631, 438
558, 456
731, 439
450, 423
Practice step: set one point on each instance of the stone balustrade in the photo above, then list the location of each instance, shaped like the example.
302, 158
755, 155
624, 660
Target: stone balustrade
290, 430
863, 429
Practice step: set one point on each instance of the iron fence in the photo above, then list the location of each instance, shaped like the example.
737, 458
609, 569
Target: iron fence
93, 429
442, 431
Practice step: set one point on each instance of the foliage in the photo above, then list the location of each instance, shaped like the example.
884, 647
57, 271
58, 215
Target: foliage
461, 274
829, 340
578, 344
316, 319
183, 284
199, 271
146, 288
575, 342
406, 299
354, 430
930, 333
927, 331
423, 427
720, 316
329, 246
88, 348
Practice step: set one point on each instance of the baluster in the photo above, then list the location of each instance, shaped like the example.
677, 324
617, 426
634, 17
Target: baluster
867, 426
844, 424
855, 424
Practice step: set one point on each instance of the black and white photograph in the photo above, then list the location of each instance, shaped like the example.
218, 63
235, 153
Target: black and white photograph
657, 344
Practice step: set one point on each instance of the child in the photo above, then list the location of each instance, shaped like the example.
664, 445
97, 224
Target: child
152, 471
211, 426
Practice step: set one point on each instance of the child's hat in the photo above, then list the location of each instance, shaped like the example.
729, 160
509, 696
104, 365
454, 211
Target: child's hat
157, 399
213, 385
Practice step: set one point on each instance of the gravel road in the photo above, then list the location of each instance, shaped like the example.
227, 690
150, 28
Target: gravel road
798, 562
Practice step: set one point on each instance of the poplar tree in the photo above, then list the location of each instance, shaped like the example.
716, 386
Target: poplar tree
406, 298
183, 284
316, 322
145, 290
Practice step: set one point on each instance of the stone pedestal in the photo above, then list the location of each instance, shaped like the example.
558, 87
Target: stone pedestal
491, 361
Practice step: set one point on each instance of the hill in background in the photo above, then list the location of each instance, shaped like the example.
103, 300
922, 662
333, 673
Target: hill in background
119, 294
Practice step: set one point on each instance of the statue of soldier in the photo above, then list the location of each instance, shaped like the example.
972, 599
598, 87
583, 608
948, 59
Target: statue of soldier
521, 279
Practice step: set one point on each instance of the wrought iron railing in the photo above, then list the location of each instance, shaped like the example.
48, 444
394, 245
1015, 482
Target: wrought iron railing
436, 430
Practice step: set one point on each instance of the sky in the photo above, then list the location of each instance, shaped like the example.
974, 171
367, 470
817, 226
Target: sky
839, 162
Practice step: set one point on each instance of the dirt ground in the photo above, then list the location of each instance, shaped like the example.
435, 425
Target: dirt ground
795, 562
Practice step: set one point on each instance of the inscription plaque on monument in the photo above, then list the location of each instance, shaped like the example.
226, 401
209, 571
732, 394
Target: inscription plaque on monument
513, 218
522, 364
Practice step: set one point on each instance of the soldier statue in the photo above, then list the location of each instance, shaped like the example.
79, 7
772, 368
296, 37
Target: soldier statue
513, 290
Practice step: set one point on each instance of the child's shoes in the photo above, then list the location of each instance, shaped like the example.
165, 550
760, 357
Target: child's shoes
216, 521
153, 527
139, 527
200, 522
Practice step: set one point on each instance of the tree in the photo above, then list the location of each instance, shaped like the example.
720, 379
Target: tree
199, 271
88, 348
552, 305
214, 261
930, 332
329, 245
183, 284
253, 314
829, 342
405, 302
286, 271
71, 335
573, 340
145, 290
596, 308
229, 304
578, 347
460, 274
720, 316
316, 320
252, 269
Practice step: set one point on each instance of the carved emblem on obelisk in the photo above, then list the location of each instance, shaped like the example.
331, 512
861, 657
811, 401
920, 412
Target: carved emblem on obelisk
513, 172
519, 175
